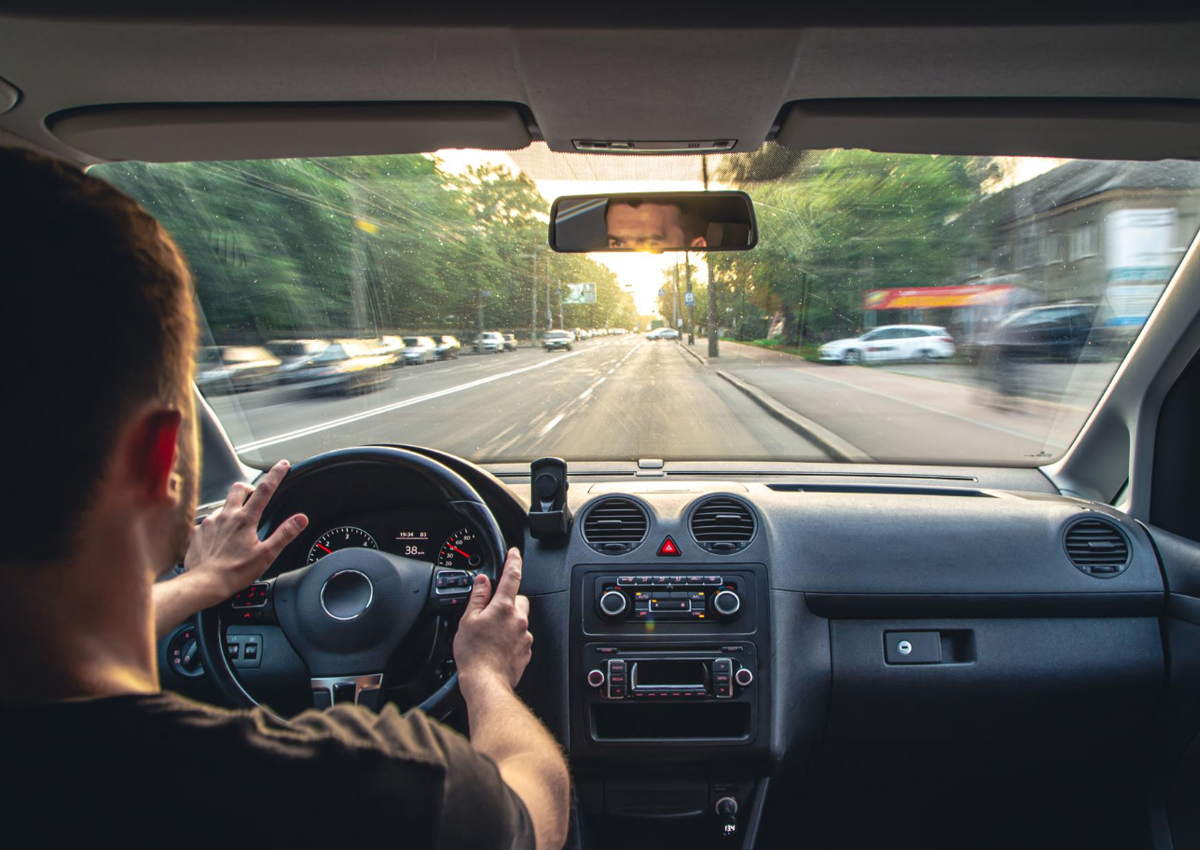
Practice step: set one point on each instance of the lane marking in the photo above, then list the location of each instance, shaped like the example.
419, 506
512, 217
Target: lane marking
588, 391
388, 408
550, 425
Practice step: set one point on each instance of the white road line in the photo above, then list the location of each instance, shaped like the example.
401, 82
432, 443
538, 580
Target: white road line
550, 425
387, 408
588, 391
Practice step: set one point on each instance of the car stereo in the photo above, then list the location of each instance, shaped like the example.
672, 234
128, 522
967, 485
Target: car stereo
668, 676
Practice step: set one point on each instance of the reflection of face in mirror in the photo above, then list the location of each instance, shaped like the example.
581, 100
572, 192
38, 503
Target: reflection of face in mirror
637, 226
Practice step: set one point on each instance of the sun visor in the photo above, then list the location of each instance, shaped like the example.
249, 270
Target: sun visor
1093, 128
211, 131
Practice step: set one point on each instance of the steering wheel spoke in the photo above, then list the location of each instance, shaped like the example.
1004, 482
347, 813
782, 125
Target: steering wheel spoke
338, 690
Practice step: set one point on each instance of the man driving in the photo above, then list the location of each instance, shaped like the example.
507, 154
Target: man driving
646, 226
105, 499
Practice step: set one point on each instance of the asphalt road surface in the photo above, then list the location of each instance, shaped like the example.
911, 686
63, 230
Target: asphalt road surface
615, 398
623, 398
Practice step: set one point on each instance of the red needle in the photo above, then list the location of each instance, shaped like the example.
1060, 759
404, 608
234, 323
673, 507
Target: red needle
326, 548
459, 551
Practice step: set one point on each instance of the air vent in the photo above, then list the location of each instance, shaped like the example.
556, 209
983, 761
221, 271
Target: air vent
722, 525
1097, 547
615, 526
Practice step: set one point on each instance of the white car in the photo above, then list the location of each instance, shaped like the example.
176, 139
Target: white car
891, 342
418, 350
489, 343
663, 333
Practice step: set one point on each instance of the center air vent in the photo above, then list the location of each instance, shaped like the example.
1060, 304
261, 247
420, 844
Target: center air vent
722, 525
1097, 547
615, 526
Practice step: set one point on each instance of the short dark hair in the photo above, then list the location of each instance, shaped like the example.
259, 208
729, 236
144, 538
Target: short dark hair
100, 322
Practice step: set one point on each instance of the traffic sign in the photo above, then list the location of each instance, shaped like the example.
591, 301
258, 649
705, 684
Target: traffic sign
689, 299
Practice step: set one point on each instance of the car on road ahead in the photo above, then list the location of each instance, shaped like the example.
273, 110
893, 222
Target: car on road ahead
448, 348
558, 341
662, 333
489, 342
418, 350
891, 342
510, 342
235, 368
347, 366
293, 355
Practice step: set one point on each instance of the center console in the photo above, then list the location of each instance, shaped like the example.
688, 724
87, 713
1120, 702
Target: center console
670, 697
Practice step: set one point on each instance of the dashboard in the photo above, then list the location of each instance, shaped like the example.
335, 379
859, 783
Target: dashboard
706, 637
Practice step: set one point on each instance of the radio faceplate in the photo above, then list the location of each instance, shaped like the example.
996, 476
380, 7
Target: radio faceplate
669, 603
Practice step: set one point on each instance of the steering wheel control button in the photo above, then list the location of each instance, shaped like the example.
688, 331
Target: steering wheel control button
254, 596
347, 594
744, 677
912, 647
613, 603
668, 549
595, 678
726, 603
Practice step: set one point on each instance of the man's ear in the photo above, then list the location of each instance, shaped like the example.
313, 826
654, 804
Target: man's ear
151, 453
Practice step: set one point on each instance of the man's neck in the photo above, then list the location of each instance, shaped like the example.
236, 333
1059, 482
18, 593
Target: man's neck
82, 629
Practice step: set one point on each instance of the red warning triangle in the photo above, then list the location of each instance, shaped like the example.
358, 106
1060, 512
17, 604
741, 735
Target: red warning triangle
668, 548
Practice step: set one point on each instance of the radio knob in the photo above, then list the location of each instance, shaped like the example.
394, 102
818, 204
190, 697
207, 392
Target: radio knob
727, 603
744, 677
613, 603
595, 678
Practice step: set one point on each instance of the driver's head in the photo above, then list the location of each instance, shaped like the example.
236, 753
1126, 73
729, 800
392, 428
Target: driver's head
646, 226
100, 337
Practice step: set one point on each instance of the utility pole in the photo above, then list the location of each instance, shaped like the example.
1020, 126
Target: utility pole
533, 288
562, 323
549, 315
687, 266
713, 340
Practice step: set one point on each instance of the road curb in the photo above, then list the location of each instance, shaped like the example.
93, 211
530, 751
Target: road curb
688, 349
830, 442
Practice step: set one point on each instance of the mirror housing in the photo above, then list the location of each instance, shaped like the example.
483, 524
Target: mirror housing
654, 222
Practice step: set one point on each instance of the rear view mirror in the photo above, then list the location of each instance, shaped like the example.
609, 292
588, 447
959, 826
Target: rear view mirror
654, 222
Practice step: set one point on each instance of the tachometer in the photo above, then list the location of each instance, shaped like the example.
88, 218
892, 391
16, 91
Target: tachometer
344, 537
461, 551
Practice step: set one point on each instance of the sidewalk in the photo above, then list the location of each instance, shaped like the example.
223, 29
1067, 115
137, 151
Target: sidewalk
888, 415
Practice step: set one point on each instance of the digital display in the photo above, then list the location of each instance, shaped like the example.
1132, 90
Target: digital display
413, 544
653, 674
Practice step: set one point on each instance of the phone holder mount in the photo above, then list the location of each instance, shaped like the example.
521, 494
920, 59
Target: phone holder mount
549, 515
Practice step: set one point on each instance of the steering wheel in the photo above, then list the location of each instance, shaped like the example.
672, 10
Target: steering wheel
348, 613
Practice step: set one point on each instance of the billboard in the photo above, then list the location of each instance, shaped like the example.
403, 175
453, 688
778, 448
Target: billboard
580, 293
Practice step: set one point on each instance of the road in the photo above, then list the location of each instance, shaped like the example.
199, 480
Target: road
623, 398
615, 398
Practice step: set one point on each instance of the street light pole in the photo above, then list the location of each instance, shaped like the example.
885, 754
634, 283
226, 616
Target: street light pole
687, 266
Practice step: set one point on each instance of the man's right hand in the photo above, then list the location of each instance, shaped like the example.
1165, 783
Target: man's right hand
493, 641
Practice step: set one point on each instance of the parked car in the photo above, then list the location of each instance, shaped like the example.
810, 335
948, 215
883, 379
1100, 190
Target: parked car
447, 348
418, 350
663, 333
347, 366
510, 342
393, 345
489, 342
294, 355
891, 342
1050, 332
235, 368
557, 341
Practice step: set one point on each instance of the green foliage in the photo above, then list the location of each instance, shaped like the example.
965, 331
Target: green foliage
364, 246
842, 222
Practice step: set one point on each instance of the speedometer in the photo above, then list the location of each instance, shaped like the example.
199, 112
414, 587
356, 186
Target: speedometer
461, 551
344, 537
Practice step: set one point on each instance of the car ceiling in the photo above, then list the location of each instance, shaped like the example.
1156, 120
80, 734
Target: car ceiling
573, 81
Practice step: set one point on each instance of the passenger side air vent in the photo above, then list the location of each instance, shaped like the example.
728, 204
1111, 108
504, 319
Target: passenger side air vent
615, 526
1097, 547
722, 525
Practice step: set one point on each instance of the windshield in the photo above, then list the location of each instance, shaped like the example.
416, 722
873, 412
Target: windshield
890, 309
